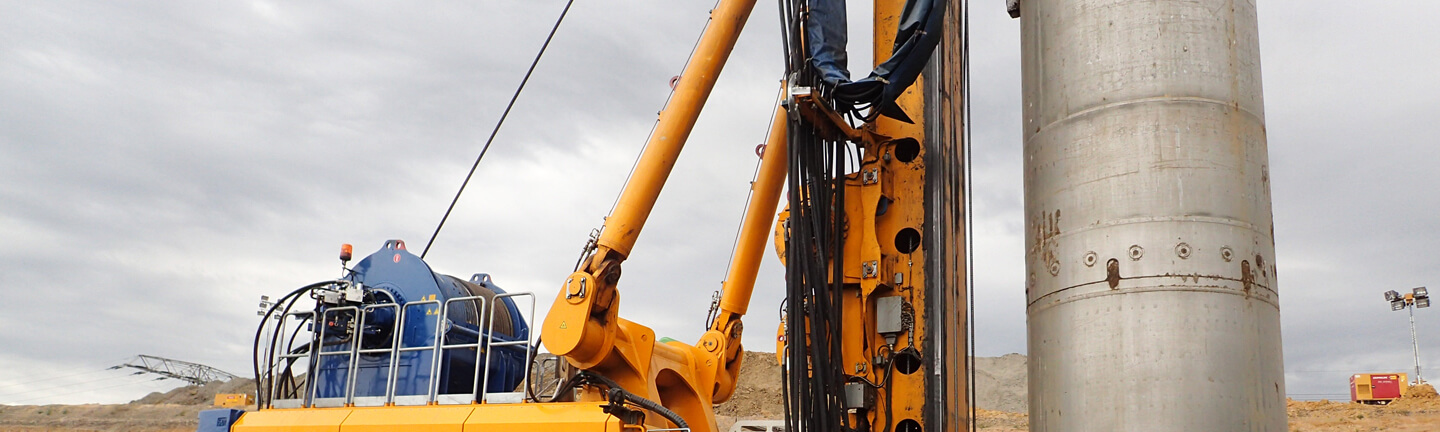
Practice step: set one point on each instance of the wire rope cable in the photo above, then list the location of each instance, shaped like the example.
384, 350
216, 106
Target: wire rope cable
496, 130
88, 390
73, 384
744, 209
967, 187
693, 47
52, 378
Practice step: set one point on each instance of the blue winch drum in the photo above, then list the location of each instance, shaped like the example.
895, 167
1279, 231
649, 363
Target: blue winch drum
394, 275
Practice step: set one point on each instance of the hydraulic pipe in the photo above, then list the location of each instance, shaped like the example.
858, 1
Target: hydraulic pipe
582, 325
676, 121
755, 229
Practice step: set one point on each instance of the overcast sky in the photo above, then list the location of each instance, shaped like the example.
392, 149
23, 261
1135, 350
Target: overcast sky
163, 164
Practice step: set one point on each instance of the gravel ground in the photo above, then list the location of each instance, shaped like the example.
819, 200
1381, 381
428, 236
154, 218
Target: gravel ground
1000, 380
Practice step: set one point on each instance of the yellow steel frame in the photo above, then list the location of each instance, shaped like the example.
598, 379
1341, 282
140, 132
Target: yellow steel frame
583, 326
874, 264
548, 417
898, 273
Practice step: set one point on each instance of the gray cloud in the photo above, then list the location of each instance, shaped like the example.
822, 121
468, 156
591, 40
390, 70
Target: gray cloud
163, 165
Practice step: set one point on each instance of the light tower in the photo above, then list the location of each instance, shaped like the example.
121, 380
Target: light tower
1416, 298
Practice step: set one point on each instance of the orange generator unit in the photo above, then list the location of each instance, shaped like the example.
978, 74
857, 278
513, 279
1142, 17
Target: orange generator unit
1377, 389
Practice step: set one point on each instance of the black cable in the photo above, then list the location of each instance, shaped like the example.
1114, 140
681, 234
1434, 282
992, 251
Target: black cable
275, 342
294, 387
53, 386
495, 131
637, 399
534, 360
967, 187
588, 378
255, 348
53, 378
85, 390
814, 370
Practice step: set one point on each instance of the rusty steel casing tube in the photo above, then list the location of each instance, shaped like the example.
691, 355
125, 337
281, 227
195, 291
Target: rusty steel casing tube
1151, 287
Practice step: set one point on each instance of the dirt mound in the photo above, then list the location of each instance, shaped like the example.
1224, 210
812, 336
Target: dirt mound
198, 395
1000, 383
1001, 421
1000, 392
758, 392
100, 418
1401, 415
1422, 391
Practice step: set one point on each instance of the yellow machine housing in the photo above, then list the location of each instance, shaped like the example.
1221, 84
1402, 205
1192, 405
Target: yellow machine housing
233, 400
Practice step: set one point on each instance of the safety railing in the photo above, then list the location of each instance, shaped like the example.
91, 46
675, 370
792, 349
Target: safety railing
400, 350
457, 398
556, 376
380, 400
287, 355
310, 393
353, 330
510, 397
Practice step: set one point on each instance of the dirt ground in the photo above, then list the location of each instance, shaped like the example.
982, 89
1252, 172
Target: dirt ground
100, 418
1415, 415
757, 396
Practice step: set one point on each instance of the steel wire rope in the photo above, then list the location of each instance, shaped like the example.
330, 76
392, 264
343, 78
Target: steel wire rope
745, 209
693, 47
87, 390
496, 130
87, 372
73, 384
966, 188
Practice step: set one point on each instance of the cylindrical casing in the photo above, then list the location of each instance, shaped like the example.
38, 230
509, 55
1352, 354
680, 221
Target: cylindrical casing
1150, 248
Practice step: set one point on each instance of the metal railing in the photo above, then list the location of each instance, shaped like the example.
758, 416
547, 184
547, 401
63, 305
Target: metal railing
456, 398
320, 354
484, 346
350, 397
490, 342
286, 355
400, 350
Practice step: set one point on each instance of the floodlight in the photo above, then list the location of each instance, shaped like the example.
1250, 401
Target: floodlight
1391, 295
1422, 302
1397, 305
1421, 292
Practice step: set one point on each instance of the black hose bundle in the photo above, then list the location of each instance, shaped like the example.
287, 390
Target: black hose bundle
814, 377
618, 394
263, 386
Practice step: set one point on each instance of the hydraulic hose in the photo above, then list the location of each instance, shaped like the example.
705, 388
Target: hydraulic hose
255, 348
584, 378
640, 401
